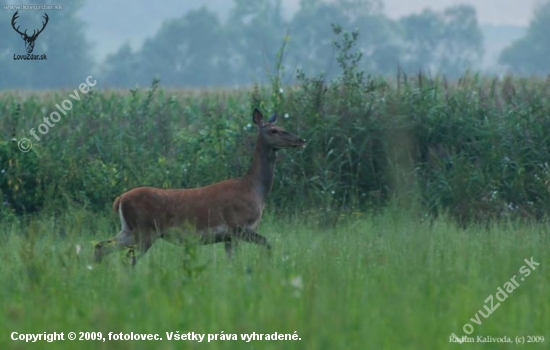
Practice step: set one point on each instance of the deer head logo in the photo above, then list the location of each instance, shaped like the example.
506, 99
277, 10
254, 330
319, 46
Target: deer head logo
29, 40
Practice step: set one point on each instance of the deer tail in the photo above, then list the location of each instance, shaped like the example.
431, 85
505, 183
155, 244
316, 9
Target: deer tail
116, 204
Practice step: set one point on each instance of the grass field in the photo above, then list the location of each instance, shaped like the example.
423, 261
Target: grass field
385, 282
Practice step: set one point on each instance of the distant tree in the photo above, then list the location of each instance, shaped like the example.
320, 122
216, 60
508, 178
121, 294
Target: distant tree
462, 40
310, 46
380, 43
63, 41
198, 50
422, 34
190, 51
449, 42
531, 54
311, 35
256, 31
122, 68
187, 51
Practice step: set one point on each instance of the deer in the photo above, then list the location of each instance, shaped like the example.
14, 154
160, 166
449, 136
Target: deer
29, 40
224, 212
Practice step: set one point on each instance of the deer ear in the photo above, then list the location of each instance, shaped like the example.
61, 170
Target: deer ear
257, 117
273, 118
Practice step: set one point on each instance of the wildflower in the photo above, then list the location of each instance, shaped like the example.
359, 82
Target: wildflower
297, 282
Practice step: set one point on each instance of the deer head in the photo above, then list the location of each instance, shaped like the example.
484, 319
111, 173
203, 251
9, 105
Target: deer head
273, 135
29, 40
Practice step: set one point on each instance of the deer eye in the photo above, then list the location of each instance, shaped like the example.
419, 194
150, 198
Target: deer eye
274, 131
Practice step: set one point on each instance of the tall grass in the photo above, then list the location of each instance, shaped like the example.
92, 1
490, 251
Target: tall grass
384, 282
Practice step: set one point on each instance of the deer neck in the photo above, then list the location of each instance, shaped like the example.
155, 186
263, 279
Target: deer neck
260, 174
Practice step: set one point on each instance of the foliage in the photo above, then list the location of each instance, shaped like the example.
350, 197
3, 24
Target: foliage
475, 147
529, 55
177, 54
241, 49
202, 49
449, 42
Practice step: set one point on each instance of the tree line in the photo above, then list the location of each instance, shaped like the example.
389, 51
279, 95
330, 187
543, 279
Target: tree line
199, 49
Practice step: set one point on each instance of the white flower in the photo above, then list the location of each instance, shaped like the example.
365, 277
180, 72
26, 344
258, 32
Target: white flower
281, 90
298, 285
297, 282
287, 116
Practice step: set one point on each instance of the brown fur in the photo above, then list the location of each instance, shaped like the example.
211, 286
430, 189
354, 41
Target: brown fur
226, 211
116, 203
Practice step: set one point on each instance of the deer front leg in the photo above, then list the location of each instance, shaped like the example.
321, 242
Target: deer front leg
132, 255
230, 247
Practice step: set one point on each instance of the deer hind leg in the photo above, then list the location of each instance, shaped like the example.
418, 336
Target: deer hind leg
121, 241
248, 235
125, 240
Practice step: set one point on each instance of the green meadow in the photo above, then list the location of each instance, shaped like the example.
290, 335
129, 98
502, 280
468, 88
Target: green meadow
390, 281
418, 210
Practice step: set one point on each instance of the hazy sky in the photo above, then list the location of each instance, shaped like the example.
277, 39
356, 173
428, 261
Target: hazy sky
516, 12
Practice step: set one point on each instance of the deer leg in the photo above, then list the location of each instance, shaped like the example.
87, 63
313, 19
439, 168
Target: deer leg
250, 236
230, 247
121, 241
132, 255
145, 241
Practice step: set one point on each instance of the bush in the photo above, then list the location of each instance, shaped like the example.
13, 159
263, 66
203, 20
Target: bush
476, 147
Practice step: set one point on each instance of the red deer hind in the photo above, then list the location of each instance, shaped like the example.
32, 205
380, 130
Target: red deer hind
227, 211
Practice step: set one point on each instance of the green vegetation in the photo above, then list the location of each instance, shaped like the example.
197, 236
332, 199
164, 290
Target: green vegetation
529, 55
476, 148
384, 282
415, 199
237, 50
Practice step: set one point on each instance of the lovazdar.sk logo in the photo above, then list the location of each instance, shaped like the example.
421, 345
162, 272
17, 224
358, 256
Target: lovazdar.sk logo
29, 39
